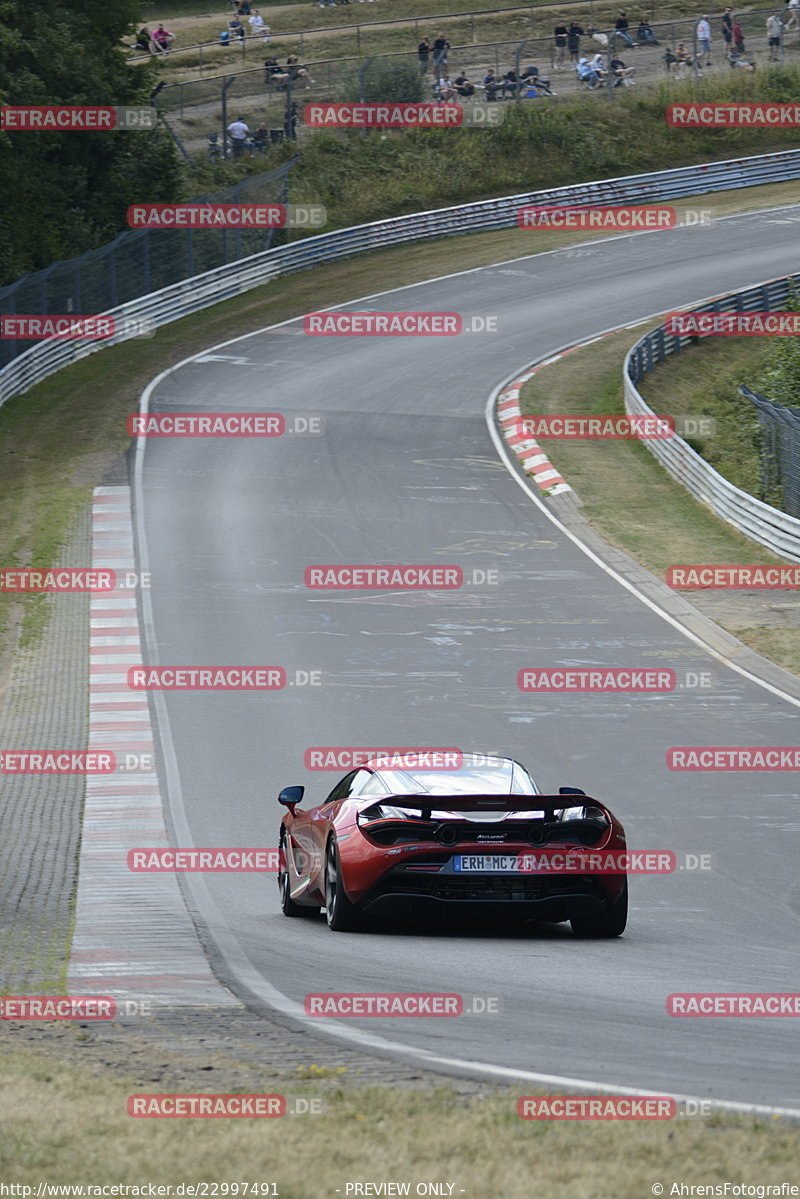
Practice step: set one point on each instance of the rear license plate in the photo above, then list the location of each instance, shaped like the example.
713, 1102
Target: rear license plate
488, 863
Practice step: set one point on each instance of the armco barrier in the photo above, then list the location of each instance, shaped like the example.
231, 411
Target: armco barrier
201, 291
775, 530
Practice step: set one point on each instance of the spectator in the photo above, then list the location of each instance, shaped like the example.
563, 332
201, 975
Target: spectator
243, 8
736, 60
644, 33
445, 90
531, 76
238, 132
793, 13
440, 48
621, 26
574, 35
162, 39
560, 35
491, 85
295, 71
260, 138
236, 27
463, 86
738, 36
586, 74
774, 29
598, 65
623, 75
704, 39
143, 39
423, 53
727, 28
510, 82
256, 22
681, 60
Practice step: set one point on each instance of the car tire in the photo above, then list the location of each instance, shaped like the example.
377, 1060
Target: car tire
288, 905
609, 923
341, 914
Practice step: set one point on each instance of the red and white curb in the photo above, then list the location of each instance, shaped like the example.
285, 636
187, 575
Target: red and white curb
134, 938
530, 453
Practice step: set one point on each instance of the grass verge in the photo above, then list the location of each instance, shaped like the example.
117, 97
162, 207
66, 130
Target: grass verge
475, 1142
632, 501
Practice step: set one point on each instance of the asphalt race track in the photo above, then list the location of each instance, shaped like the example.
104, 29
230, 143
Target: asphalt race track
406, 472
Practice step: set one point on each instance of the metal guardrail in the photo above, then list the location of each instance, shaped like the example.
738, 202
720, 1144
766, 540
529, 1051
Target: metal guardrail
202, 291
775, 530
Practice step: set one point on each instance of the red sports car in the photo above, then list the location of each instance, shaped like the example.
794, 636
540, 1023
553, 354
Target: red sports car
392, 835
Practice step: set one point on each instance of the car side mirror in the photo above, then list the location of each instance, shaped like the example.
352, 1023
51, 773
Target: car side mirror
570, 791
290, 797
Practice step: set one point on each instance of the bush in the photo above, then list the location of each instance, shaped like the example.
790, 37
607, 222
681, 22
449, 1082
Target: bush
400, 82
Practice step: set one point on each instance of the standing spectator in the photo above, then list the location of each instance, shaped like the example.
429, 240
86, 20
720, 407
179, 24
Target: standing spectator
774, 28
704, 39
560, 35
162, 39
423, 53
644, 33
574, 35
621, 26
793, 12
727, 29
440, 48
738, 36
238, 132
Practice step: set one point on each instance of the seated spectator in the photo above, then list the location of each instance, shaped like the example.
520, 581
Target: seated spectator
162, 39
622, 74
736, 60
531, 75
491, 85
260, 138
236, 27
644, 33
293, 72
142, 39
598, 65
586, 74
243, 8
621, 27
256, 22
510, 83
445, 89
271, 69
683, 58
463, 85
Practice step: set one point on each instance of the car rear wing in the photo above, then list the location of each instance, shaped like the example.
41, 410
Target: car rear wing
547, 804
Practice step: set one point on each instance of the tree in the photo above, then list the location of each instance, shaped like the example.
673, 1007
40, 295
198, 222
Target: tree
65, 193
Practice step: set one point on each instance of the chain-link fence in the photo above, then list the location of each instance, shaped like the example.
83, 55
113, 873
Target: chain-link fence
141, 261
195, 108
780, 450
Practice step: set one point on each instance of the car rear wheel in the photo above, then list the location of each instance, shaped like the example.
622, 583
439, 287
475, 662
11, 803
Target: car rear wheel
288, 905
342, 915
609, 923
